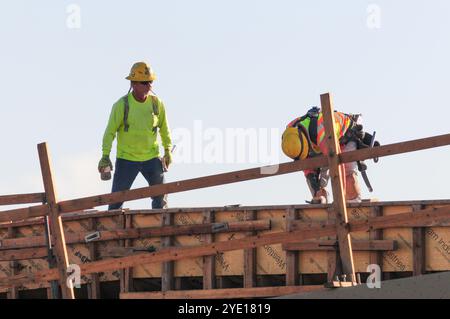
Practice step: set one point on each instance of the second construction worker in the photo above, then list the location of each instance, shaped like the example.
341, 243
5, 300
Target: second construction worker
304, 137
136, 119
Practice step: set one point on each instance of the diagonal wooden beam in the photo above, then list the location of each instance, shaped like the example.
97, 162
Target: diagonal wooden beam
56, 228
226, 178
337, 175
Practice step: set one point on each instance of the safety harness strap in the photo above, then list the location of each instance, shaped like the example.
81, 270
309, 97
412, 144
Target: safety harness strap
127, 109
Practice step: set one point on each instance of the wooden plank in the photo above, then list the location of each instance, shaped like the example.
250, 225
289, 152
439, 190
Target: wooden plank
23, 254
23, 213
333, 258
332, 245
340, 284
258, 292
94, 286
292, 262
13, 292
209, 262
22, 199
56, 229
376, 257
250, 256
177, 253
418, 244
127, 273
396, 148
119, 234
337, 176
167, 273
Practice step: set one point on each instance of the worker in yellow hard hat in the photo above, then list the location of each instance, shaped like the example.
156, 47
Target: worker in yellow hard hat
136, 119
304, 138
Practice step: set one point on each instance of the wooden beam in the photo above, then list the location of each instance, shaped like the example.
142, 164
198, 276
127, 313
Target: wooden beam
168, 270
396, 148
135, 233
229, 293
332, 245
23, 254
418, 243
190, 184
13, 292
22, 199
56, 229
334, 265
94, 286
337, 176
126, 275
250, 256
225, 178
376, 257
209, 262
292, 264
178, 253
23, 213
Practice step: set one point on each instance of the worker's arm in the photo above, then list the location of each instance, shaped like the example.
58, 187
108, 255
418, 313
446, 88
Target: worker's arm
115, 120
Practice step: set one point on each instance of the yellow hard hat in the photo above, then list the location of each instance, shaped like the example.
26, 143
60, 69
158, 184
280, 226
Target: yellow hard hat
294, 143
140, 72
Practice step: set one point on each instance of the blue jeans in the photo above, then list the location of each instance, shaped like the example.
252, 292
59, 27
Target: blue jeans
126, 172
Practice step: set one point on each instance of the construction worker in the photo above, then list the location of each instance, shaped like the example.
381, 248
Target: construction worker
304, 137
136, 118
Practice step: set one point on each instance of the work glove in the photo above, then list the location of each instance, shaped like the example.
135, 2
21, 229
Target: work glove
104, 162
167, 158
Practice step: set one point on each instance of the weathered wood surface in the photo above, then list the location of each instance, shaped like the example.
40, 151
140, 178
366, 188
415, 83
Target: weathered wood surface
135, 233
230, 293
225, 178
337, 177
329, 245
22, 199
392, 221
56, 230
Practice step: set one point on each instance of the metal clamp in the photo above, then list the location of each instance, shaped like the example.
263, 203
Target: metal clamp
216, 227
92, 237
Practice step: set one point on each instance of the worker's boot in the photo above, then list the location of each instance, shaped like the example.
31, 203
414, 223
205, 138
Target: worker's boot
352, 190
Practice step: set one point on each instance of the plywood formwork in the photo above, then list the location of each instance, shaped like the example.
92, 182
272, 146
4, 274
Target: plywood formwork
270, 259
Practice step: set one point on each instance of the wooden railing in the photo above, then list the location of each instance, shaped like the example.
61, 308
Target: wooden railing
53, 208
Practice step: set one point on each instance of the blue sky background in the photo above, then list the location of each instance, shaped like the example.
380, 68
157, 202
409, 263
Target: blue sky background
230, 64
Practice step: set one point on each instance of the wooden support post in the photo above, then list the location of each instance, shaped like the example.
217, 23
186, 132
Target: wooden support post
209, 262
376, 257
337, 176
292, 264
333, 258
250, 256
167, 273
56, 228
126, 275
13, 292
94, 286
418, 243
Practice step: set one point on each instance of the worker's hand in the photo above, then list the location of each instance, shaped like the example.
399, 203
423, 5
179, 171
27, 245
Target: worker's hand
321, 197
167, 157
104, 162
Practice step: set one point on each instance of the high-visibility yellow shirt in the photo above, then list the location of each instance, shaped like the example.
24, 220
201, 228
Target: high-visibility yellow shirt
140, 142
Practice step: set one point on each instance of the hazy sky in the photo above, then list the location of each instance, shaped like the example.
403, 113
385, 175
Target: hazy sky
223, 66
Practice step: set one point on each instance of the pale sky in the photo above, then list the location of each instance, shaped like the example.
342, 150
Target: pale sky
223, 66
